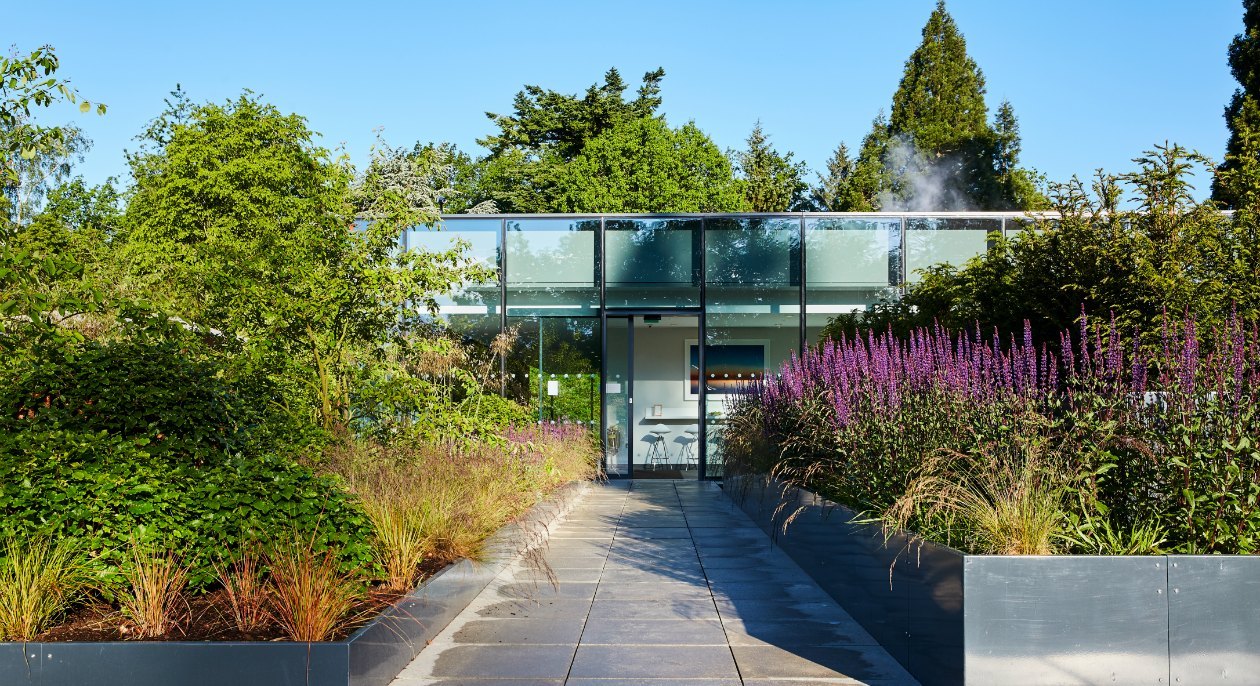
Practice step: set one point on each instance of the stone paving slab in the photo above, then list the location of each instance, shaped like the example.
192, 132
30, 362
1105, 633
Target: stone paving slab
654, 583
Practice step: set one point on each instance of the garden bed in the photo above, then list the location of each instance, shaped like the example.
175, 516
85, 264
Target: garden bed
953, 618
372, 655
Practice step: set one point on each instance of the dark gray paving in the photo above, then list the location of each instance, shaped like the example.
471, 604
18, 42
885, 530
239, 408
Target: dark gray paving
653, 583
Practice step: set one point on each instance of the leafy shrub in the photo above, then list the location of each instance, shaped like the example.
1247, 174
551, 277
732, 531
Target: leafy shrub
103, 489
161, 389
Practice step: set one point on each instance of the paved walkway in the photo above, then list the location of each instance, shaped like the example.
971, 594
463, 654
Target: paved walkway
659, 582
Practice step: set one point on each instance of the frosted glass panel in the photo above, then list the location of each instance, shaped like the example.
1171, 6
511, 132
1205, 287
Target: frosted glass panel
934, 241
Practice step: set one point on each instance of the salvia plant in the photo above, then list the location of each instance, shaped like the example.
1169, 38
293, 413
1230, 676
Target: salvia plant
993, 444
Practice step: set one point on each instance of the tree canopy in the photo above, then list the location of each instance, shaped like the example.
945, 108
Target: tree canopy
937, 150
1242, 114
772, 182
642, 165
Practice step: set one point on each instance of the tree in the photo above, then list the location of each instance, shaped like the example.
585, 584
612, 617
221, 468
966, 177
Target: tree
1014, 187
239, 223
837, 191
29, 309
424, 178
940, 100
937, 150
772, 183
642, 165
28, 82
1242, 115
540, 158
1167, 254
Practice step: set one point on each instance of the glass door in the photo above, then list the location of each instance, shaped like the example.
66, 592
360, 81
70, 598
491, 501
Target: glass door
665, 409
618, 398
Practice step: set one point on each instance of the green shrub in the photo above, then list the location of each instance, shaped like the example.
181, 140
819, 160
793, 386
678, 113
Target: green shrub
104, 489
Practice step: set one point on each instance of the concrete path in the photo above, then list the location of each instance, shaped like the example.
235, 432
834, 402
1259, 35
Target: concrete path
658, 582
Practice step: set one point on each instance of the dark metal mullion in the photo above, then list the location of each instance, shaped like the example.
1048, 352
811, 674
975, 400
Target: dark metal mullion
603, 353
702, 334
630, 397
804, 281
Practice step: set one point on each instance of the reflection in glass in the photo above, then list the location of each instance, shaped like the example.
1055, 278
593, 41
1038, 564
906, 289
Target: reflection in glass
652, 262
551, 267
471, 310
850, 265
954, 240
553, 368
752, 303
617, 434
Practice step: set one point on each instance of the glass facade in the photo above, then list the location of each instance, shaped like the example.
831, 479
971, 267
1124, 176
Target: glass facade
645, 325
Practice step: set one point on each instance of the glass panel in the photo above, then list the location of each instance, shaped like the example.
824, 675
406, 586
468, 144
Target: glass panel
752, 308
953, 240
652, 262
553, 369
617, 436
551, 267
666, 409
471, 309
849, 265
1018, 225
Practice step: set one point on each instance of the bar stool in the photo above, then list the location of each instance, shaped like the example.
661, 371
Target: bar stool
687, 452
658, 453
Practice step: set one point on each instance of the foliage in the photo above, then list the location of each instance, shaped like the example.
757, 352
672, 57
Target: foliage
239, 223
1242, 115
152, 596
27, 82
772, 182
1168, 252
39, 580
1113, 448
424, 179
937, 151
102, 489
312, 597
642, 165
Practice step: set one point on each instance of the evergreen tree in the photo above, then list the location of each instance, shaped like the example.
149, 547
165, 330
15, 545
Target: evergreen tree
940, 100
1242, 115
772, 182
937, 150
546, 131
871, 178
1014, 187
826, 196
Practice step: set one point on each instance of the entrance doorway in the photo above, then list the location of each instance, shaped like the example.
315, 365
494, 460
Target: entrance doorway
652, 425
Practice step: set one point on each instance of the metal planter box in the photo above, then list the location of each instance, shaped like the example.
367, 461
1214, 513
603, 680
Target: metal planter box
372, 656
952, 618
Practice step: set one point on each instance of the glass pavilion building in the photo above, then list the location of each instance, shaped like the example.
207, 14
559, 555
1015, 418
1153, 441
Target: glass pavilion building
644, 324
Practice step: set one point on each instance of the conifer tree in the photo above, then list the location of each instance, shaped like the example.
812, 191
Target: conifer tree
772, 182
938, 137
827, 195
1242, 115
940, 100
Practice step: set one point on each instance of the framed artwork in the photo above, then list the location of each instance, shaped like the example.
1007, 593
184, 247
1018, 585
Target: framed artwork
731, 366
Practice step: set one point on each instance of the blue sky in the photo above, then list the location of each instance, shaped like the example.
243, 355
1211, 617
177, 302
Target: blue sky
1094, 83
